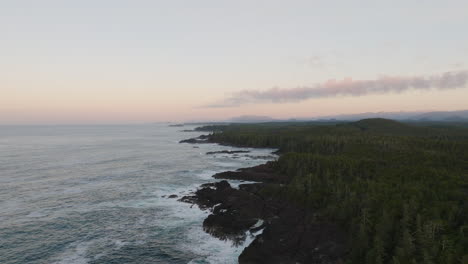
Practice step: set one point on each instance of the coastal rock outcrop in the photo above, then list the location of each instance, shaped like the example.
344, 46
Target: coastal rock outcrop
227, 152
289, 234
261, 173
197, 140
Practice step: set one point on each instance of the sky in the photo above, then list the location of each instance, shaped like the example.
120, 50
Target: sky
70, 62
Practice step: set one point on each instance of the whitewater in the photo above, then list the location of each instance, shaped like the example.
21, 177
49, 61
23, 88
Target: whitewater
99, 194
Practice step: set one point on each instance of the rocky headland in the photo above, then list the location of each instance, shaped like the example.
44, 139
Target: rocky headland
284, 232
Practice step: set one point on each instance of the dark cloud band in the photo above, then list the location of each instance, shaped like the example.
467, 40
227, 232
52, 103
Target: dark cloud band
348, 87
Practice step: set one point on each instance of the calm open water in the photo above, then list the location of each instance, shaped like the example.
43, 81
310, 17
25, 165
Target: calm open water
93, 194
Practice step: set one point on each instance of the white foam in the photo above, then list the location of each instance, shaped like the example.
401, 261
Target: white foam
209, 248
226, 164
75, 254
207, 174
37, 214
235, 183
119, 243
258, 224
255, 234
213, 250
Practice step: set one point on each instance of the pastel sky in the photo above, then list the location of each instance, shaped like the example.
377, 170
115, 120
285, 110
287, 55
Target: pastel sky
113, 61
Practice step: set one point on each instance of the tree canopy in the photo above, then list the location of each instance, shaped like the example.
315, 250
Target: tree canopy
399, 190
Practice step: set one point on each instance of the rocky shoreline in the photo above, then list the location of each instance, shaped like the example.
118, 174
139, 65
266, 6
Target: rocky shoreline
284, 232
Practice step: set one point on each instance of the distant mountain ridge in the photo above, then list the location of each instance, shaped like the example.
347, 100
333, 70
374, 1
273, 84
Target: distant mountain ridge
453, 116
436, 116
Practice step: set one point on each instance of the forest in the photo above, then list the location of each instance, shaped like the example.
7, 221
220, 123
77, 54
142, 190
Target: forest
399, 190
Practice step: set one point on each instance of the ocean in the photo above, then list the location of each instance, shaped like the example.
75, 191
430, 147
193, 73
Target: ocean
95, 194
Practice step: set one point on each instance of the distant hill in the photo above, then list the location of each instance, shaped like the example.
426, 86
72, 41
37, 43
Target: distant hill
379, 123
386, 126
359, 116
452, 116
382, 126
436, 116
448, 116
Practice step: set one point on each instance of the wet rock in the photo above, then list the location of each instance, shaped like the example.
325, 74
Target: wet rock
197, 140
291, 234
262, 157
234, 211
292, 239
227, 152
209, 194
261, 173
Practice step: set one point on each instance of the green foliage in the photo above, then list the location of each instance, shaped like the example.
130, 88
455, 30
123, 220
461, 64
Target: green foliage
400, 190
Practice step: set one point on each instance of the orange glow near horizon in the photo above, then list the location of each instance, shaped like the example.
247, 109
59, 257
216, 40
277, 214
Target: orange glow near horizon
93, 62
125, 106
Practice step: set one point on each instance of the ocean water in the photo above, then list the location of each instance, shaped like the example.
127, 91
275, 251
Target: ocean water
93, 194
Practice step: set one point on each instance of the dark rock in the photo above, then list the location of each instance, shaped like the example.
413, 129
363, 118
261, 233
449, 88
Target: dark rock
261, 173
197, 140
208, 195
294, 239
227, 152
234, 211
172, 196
264, 157
290, 233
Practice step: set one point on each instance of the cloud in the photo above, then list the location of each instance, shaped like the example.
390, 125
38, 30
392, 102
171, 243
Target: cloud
348, 87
